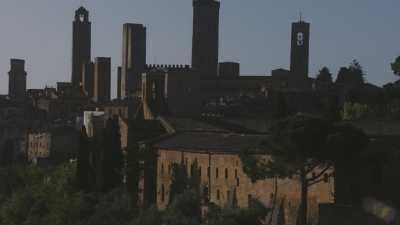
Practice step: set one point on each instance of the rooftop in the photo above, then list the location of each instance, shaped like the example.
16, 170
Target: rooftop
210, 142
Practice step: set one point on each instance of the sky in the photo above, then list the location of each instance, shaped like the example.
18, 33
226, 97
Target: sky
255, 33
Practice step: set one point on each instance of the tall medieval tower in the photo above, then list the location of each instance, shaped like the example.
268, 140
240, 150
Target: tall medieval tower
133, 59
205, 38
299, 57
17, 80
81, 44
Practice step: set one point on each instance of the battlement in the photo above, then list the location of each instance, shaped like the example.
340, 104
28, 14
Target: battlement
168, 68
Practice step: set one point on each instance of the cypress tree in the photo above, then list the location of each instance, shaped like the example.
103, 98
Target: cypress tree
83, 162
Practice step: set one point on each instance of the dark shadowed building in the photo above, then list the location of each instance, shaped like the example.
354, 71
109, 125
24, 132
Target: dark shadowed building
81, 44
133, 58
88, 79
17, 80
299, 57
119, 74
205, 37
102, 79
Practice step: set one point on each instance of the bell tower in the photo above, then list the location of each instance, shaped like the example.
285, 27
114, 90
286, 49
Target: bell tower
81, 44
299, 57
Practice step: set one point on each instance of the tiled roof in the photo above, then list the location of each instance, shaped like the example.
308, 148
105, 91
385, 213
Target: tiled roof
213, 142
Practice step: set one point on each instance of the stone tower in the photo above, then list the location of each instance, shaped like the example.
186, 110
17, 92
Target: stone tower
205, 38
81, 44
119, 73
133, 59
17, 80
88, 78
102, 80
299, 57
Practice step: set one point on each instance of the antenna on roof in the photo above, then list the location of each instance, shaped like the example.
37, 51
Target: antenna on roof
301, 16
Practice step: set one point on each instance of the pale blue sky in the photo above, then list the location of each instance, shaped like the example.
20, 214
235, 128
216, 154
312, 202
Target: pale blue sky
254, 32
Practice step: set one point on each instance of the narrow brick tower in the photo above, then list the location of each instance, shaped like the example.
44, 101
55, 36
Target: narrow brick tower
299, 57
81, 44
205, 38
17, 80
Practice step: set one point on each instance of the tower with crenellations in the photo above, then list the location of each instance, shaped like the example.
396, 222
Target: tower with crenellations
81, 44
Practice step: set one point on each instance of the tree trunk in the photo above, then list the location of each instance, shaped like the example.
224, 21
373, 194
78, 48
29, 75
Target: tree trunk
304, 200
274, 201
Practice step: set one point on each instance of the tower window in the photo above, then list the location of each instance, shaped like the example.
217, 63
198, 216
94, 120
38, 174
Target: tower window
218, 195
162, 169
153, 91
226, 173
249, 200
236, 173
162, 193
216, 173
81, 17
208, 172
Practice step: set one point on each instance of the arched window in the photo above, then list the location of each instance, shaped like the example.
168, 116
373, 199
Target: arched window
162, 193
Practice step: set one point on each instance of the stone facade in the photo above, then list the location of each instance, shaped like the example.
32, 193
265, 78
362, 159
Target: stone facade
55, 145
222, 175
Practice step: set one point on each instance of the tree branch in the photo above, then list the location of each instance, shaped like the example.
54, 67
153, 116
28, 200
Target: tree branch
319, 174
318, 180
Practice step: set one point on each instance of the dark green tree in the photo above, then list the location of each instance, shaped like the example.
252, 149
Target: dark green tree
83, 162
281, 106
112, 157
324, 76
353, 75
133, 171
396, 66
300, 146
180, 180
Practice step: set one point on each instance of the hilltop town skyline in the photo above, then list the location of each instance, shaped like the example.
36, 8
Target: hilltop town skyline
265, 49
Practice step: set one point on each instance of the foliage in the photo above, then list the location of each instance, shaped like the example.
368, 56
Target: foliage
83, 162
351, 75
254, 215
396, 66
302, 146
324, 76
355, 111
112, 158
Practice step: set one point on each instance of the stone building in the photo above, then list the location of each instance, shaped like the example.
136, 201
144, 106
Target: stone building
133, 59
94, 122
222, 177
17, 80
52, 145
205, 38
102, 80
81, 44
299, 56
88, 79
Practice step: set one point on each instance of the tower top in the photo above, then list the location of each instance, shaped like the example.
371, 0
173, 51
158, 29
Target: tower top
82, 14
206, 2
